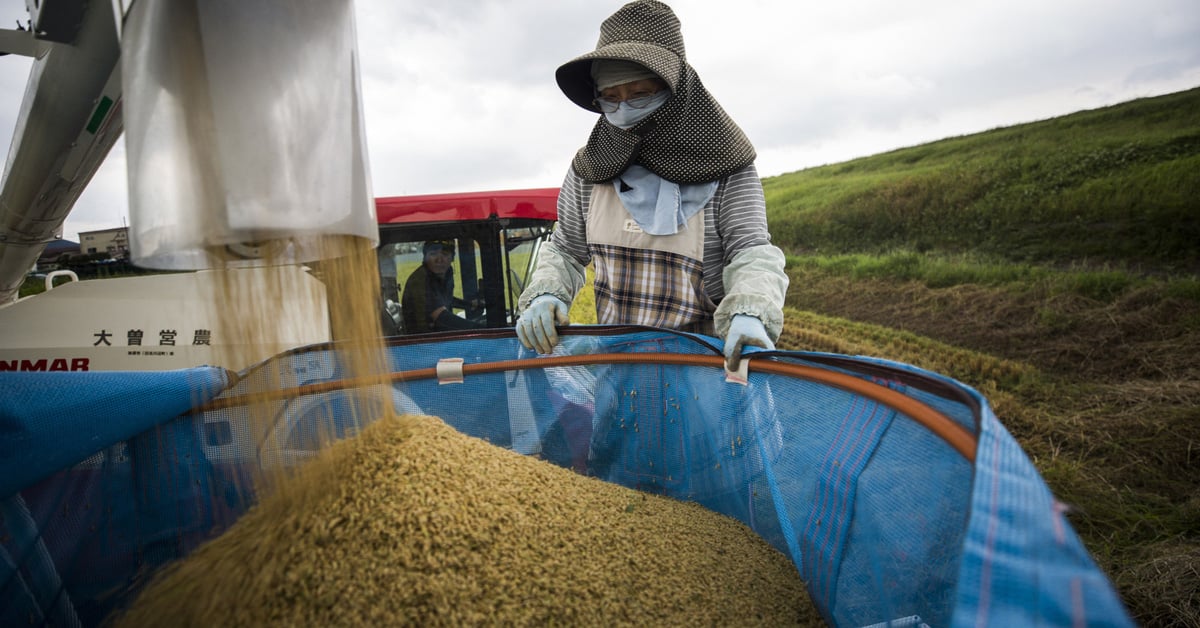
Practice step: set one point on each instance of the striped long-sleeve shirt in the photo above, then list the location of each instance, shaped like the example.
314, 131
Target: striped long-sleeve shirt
735, 219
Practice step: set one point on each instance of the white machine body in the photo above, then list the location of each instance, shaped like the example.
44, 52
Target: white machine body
163, 322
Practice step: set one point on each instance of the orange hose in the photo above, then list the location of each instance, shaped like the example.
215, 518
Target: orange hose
955, 435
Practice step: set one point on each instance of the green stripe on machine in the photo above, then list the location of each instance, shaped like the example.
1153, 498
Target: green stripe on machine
99, 114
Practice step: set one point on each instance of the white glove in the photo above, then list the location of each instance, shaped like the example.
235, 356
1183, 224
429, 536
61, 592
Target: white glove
744, 330
535, 328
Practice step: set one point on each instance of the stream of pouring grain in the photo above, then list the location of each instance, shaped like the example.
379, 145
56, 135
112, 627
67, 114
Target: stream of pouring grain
250, 314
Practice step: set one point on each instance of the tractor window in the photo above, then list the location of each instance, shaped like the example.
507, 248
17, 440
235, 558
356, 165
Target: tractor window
491, 264
415, 288
390, 281
521, 250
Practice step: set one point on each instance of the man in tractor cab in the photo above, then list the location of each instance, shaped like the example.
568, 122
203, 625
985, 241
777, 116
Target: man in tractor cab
428, 303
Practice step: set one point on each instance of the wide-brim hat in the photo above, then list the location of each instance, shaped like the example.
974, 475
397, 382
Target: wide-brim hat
689, 139
645, 32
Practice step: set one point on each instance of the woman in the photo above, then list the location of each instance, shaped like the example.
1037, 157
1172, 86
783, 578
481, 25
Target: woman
663, 200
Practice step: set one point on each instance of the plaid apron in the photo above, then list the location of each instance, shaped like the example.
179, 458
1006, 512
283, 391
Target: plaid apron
644, 279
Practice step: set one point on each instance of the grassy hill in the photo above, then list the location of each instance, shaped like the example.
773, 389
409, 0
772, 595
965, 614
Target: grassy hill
1053, 266
1119, 185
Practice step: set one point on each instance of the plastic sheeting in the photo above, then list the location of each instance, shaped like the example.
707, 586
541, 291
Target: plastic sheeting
886, 521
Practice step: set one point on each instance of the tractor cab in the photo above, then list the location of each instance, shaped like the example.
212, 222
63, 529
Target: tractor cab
495, 238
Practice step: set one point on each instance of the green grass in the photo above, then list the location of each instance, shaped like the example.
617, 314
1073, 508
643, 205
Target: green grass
1119, 185
37, 285
583, 308
940, 271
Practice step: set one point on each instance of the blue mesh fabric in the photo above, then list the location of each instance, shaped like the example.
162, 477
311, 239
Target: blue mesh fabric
884, 520
1019, 546
98, 486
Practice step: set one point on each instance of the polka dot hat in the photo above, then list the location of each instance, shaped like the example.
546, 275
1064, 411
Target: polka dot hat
690, 139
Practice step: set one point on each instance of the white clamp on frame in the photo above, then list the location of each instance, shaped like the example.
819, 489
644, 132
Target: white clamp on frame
450, 371
741, 375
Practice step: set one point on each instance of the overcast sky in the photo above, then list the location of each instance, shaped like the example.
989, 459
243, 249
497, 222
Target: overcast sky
460, 95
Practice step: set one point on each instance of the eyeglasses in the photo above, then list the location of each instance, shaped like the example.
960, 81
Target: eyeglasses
636, 100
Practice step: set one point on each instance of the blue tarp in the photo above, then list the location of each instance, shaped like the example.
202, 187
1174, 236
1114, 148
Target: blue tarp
884, 520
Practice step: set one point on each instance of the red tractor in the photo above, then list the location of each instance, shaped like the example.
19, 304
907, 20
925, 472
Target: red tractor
497, 237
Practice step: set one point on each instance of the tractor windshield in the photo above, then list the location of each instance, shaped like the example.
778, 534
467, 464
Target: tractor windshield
464, 275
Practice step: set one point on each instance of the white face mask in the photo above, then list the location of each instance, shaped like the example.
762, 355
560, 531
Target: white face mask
625, 116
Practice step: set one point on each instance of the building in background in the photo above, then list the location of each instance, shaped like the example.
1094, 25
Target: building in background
54, 253
114, 241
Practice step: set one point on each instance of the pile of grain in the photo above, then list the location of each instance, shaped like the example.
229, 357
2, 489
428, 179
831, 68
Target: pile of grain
413, 523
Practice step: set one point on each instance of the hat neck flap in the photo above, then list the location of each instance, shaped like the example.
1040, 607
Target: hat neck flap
690, 139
